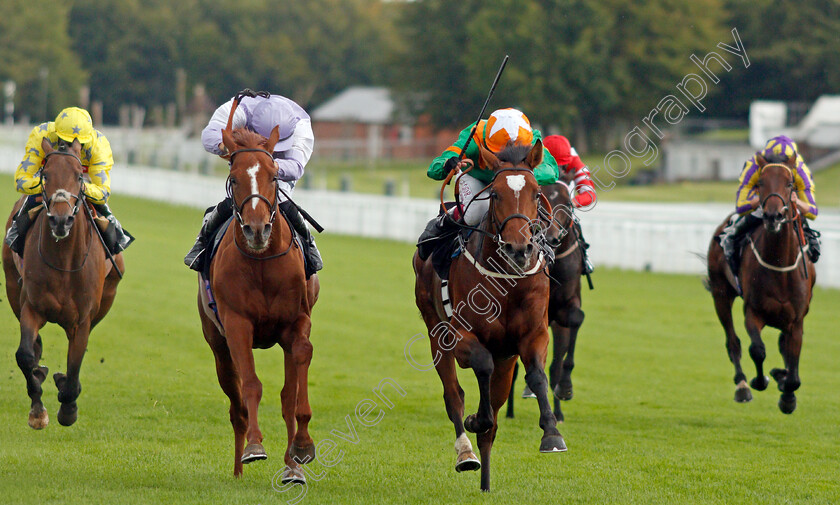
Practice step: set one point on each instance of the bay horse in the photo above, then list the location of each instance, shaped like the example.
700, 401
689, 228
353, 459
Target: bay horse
499, 292
64, 277
565, 316
776, 290
262, 298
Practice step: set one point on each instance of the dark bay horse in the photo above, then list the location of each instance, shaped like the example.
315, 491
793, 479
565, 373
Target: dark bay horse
263, 298
775, 287
565, 316
63, 278
499, 292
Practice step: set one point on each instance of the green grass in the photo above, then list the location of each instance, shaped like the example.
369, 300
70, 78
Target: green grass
652, 421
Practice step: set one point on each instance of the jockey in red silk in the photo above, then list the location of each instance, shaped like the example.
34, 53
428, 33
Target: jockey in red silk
569, 162
777, 150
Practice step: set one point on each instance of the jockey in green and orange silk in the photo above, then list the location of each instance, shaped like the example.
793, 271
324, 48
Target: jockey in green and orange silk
502, 128
777, 150
97, 159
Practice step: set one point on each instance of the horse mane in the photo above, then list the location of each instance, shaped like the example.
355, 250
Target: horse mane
514, 153
248, 139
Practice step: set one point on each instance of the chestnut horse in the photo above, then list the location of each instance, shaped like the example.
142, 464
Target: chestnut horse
565, 316
64, 277
263, 298
775, 286
499, 292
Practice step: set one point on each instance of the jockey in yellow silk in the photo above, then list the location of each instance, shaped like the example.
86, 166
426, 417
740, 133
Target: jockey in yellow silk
97, 159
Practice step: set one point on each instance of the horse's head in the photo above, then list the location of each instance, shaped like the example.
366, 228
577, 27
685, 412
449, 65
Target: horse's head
559, 196
775, 187
62, 185
252, 184
514, 198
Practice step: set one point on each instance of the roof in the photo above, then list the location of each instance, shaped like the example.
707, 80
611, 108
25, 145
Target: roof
362, 104
821, 125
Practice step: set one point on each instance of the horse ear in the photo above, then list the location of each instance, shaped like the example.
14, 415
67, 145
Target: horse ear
227, 140
490, 160
792, 162
76, 147
46, 146
759, 159
273, 137
535, 157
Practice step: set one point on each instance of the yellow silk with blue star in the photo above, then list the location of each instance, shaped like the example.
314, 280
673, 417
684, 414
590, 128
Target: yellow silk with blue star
96, 156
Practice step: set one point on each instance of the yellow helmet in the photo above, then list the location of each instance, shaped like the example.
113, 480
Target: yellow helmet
74, 123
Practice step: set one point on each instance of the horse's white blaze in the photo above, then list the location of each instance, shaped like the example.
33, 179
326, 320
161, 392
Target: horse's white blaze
516, 182
252, 172
462, 444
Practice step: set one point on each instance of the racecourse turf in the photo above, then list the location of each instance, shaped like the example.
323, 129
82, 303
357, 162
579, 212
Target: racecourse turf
653, 418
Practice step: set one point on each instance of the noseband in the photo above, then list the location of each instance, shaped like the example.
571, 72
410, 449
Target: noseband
62, 195
237, 208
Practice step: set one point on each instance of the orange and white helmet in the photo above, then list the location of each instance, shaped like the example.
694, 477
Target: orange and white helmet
507, 126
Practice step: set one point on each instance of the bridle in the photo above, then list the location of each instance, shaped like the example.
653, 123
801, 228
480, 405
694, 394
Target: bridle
237, 208
62, 195
785, 209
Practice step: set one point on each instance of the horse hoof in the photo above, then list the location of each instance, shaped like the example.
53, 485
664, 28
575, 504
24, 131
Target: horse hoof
527, 393
475, 425
743, 395
293, 476
553, 443
67, 414
302, 455
563, 392
38, 420
40, 373
467, 462
760, 383
787, 405
253, 452
779, 375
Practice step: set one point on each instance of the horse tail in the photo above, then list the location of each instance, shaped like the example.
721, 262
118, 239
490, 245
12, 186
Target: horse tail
705, 260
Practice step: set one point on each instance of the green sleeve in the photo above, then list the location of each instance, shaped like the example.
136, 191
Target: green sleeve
435, 170
546, 172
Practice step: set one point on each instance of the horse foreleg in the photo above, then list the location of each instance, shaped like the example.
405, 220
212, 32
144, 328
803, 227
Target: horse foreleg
533, 359
790, 345
240, 338
69, 386
302, 448
27, 356
500, 381
561, 338
758, 352
723, 296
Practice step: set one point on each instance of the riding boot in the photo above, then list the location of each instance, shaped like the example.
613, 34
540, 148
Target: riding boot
588, 267
213, 218
313, 261
16, 234
438, 228
115, 237
812, 236
731, 238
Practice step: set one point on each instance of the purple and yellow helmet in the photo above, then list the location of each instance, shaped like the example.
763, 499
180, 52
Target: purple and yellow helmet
779, 149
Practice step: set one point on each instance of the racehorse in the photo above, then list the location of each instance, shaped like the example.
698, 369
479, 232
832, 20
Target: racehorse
262, 298
776, 288
564, 313
499, 292
64, 278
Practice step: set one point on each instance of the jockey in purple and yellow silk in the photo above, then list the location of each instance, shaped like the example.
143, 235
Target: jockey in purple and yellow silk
777, 150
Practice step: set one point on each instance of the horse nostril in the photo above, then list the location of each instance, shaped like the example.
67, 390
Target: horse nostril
529, 249
52, 220
267, 231
246, 229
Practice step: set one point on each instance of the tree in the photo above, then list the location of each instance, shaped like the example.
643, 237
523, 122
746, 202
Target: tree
35, 53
